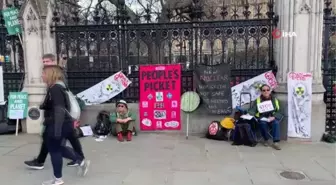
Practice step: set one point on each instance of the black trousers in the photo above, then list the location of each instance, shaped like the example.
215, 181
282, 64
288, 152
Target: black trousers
75, 153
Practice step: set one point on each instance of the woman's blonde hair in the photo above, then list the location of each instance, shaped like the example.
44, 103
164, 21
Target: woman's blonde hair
53, 74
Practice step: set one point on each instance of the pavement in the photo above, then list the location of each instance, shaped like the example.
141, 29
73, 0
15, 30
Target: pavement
163, 158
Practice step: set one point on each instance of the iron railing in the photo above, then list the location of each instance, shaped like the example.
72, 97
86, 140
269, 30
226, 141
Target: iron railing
103, 38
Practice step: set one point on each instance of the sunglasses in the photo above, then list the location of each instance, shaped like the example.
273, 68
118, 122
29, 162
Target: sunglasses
265, 90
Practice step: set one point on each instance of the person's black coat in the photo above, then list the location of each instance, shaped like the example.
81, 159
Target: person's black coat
57, 118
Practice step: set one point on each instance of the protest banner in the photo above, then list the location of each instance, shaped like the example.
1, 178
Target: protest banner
299, 104
105, 90
160, 97
17, 107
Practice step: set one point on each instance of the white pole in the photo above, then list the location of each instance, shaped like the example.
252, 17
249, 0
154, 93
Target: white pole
20, 40
17, 127
187, 125
2, 98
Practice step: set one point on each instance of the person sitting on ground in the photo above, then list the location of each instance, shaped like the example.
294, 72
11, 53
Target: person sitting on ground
266, 116
122, 121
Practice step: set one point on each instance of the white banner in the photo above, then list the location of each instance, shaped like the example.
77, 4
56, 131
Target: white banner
252, 86
299, 104
105, 90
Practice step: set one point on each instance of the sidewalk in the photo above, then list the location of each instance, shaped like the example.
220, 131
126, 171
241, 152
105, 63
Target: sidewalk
157, 159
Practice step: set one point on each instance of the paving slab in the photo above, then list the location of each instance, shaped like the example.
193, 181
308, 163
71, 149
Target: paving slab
262, 175
170, 159
192, 178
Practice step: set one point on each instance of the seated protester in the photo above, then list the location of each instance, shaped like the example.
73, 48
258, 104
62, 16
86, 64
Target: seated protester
123, 121
266, 110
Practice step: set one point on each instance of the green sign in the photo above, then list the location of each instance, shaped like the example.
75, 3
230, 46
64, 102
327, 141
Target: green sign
10, 15
17, 105
190, 101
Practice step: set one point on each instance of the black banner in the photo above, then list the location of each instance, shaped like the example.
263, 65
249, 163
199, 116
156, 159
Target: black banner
213, 86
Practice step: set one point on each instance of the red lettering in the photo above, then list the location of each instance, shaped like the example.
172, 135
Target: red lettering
122, 78
271, 80
299, 76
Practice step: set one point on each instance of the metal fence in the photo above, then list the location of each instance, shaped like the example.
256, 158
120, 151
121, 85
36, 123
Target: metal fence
329, 66
102, 38
13, 68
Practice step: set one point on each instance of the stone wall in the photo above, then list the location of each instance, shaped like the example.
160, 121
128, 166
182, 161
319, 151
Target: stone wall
198, 124
199, 120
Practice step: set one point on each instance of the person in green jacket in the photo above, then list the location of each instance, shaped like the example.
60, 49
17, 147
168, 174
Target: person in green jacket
267, 110
123, 121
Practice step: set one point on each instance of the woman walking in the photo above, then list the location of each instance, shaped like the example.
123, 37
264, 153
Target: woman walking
69, 153
58, 123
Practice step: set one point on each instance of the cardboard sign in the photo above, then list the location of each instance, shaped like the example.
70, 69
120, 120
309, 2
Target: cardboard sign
10, 15
17, 105
265, 106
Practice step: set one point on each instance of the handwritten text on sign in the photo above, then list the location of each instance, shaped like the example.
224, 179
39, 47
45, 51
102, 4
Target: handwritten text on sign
266, 106
213, 85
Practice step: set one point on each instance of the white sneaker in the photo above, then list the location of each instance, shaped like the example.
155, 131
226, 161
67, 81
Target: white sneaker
55, 181
84, 167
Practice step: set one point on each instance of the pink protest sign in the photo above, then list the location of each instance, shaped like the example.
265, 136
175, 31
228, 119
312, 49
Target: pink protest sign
160, 97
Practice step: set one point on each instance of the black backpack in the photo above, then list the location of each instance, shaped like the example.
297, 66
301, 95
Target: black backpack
217, 132
103, 125
243, 134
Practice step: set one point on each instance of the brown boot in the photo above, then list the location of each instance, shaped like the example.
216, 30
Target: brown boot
120, 137
129, 136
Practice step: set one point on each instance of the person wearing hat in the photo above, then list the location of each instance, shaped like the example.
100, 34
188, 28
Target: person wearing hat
123, 121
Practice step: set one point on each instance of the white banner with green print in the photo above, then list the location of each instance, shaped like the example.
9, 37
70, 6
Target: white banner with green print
105, 90
299, 104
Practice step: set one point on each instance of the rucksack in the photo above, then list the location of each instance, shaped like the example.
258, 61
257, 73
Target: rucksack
74, 109
217, 132
103, 125
243, 134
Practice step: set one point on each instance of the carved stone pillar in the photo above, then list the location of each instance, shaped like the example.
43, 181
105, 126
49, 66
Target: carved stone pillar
301, 54
37, 41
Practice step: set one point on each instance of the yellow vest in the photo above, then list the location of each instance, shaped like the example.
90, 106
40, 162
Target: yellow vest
276, 101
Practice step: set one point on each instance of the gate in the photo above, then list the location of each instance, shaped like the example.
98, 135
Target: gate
329, 66
13, 68
102, 37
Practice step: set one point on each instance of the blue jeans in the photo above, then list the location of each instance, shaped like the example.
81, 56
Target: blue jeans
264, 128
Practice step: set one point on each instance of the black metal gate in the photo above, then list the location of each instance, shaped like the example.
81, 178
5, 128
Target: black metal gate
103, 37
13, 68
329, 66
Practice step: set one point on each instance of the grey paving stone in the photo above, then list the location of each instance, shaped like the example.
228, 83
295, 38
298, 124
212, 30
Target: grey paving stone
192, 178
26, 150
263, 160
146, 177
232, 173
263, 175
170, 159
237, 176
6, 150
189, 163
312, 169
328, 163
